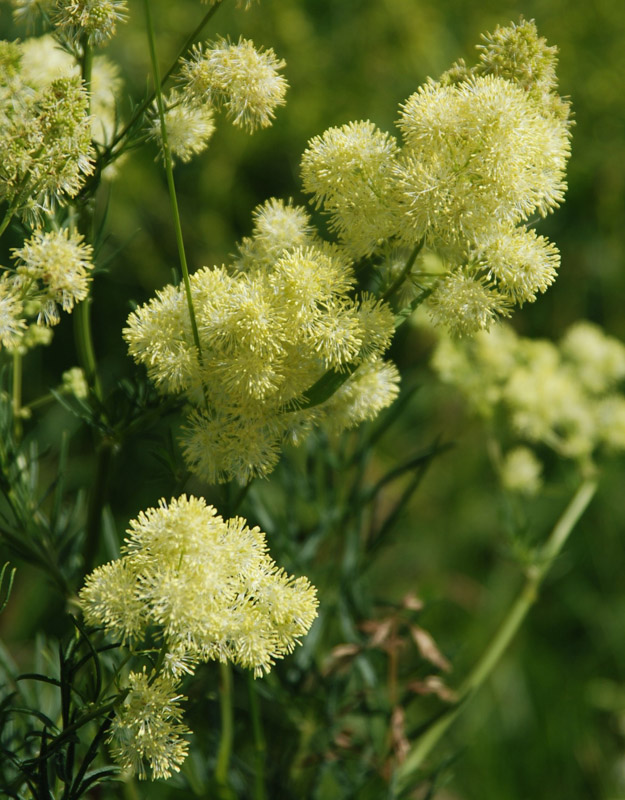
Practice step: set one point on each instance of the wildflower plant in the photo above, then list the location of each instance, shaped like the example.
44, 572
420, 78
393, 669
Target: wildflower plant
271, 365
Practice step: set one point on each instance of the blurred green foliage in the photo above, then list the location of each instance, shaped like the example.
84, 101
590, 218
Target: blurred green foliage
552, 721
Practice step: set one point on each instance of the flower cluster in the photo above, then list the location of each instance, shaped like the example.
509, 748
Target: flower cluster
564, 396
208, 585
269, 328
54, 268
189, 126
483, 150
148, 727
95, 19
206, 588
239, 78
45, 149
43, 61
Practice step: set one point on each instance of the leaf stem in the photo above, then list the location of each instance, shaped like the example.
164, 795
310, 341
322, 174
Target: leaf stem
16, 392
505, 633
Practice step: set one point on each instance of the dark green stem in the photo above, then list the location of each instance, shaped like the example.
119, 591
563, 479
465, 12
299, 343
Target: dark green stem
260, 746
82, 313
170, 179
16, 390
504, 635
97, 500
227, 729
404, 273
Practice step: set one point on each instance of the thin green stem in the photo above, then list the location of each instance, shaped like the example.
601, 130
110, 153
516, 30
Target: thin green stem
82, 313
170, 178
142, 108
505, 633
8, 216
16, 392
84, 345
227, 728
97, 500
405, 271
260, 746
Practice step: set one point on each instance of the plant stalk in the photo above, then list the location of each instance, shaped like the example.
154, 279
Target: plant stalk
260, 746
141, 109
505, 633
227, 729
170, 178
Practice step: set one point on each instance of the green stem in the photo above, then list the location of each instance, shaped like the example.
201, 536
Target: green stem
16, 390
170, 179
405, 271
260, 746
84, 345
142, 108
7, 219
82, 313
97, 500
86, 69
227, 728
504, 635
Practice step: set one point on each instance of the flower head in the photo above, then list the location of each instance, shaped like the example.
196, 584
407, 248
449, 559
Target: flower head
350, 172
244, 80
189, 126
96, 18
60, 262
208, 585
12, 324
148, 727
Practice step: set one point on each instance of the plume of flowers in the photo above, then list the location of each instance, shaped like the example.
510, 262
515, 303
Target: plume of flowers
208, 585
269, 328
238, 77
566, 397
483, 150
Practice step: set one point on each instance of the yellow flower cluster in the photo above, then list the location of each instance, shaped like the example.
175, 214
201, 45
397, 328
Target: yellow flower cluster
45, 149
97, 19
208, 585
206, 589
53, 269
148, 727
43, 61
269, 328
238, 77
563, 396
483, 150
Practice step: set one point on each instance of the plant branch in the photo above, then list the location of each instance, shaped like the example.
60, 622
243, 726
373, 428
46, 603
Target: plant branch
170, 178
260, 746
142, 108
505, 633
227, 729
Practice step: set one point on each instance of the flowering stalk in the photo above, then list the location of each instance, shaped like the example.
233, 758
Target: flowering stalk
82, 320
143, 107
398, 282
504, 635
17, 393
260, 746
227, 730
170, 178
